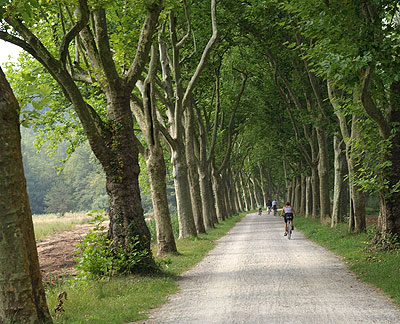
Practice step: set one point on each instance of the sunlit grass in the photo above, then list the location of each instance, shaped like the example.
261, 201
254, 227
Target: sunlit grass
48, 224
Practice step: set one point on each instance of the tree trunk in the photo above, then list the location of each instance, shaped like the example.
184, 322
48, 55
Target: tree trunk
315, 192
244, 192
121, 166
22, 296
389, 218
356, 196
187, 226
193, 171
238, 196
250, 195
340, 192
207, 198
303, 203
323, 174
309, 197
157, 174
219, 195
146, 117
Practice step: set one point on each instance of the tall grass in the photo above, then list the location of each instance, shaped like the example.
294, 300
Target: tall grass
48, 224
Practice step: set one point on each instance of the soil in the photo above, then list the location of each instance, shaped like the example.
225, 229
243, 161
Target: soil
56, 253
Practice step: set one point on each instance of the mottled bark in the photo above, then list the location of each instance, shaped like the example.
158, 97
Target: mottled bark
309, 197
157, 174
219, 195
145, 113
112, 140
323, 174
22, 296
357, 221
193, 171
389, 218
303, 199
207, 198
244, 193
315, 192
187, 226
340, 192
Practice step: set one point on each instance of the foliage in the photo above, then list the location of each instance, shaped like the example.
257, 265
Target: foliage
79, 186
380, 242
97, 258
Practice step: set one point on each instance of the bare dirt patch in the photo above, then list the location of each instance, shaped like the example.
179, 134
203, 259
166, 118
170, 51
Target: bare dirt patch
56, 252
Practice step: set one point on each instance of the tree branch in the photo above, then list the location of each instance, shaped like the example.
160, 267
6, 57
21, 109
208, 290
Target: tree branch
370, 106
82, 22
144, 44
205, 54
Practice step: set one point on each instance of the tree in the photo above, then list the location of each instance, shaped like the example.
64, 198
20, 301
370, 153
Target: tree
110, 134
22, 296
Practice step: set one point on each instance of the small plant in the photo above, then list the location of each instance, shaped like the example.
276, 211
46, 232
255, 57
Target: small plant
382, 241
98, 259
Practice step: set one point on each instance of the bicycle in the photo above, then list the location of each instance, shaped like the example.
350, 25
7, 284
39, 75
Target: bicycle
289, 228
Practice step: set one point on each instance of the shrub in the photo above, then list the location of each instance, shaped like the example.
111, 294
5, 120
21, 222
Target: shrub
97, 259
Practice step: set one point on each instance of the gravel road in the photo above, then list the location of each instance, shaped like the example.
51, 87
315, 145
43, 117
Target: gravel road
256, 275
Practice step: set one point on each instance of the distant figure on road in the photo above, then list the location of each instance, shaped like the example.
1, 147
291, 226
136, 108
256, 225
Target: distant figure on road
288, 213
269, 205
259, 209
275, 206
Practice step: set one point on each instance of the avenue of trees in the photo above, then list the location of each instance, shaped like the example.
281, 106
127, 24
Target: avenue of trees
237, 101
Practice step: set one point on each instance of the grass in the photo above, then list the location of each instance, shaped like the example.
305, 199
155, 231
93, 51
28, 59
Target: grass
128, 299
379, 268
48, 224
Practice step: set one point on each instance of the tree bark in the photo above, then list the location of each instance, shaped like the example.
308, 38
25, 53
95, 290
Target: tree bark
193, 171
22, 296
145, 113
157, 175
219, 195
244, 192
340, 192
309, 197
356, 196
187, 226
323, 174
302, 209
112, 140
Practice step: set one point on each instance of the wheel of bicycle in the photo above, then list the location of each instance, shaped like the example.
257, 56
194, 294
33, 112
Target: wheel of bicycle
289, 230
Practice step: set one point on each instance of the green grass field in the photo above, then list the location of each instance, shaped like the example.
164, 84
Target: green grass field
47, 224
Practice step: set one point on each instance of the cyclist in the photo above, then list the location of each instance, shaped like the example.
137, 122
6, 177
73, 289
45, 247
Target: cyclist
288, 213
259, 209
269, 205
275, 206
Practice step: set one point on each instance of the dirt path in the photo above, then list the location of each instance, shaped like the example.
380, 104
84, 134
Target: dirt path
56, 252
256, 275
